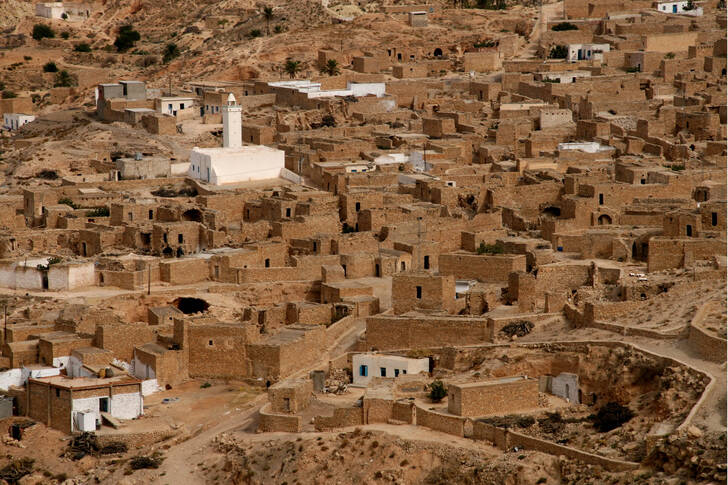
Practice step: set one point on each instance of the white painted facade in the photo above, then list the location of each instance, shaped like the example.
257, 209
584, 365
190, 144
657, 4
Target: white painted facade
679, 8
366, 366
220, 166
70, 276
313, 90
120, 406
18, 377
171, 105
586, 146
587, 52
150, 386
75, 368
49, 10
141, 370
14, 121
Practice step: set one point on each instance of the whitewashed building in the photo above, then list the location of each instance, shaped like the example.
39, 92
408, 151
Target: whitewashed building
13, 121
682, 8
366, 366
233, 162
587, 52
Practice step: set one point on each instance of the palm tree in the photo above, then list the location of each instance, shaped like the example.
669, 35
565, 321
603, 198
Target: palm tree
331, 68
268, 15
292, 67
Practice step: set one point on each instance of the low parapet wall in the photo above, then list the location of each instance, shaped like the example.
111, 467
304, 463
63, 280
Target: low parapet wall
506, 439
270, 422
342, 418
710, 347
453, 425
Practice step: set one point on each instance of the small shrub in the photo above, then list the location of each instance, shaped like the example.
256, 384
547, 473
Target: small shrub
139, 462
27, 58
632, 69
68, 202
346, 229
562, 26
489, 248
65, 35
98, 212
255, 33
205, 385
42, 31
171, 51
82, 47
64, 80
437, 391
7, 94
670, 55
126, 38
328, 120
64, 16
278, 29
50, 67
559, 52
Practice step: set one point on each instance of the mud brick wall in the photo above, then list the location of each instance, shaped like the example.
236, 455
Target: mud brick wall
436, 292
184, 271
666, 253
609, 310
708, 346
285, 423
283, 273
218, 351
562, 277
493, 398
440, 422
403, 411
342, 418
121, 339
391, 332
377, 410
297, 392
488, 269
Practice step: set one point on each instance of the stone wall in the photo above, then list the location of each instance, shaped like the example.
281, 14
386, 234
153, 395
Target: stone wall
440, 422
392, 332
342, 418
285, 423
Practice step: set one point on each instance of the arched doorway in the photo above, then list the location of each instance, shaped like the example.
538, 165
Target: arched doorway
437, 52
604, 220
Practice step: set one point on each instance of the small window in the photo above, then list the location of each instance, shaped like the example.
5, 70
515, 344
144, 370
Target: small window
363, 370
383, 371
151, 214
180, 238
357, 207
404, 371
714, 218
419, 292
288, 212
689, 230
181, 106
396, 372
210, 343
131, 216
427, 262
267, 263
58, 393
601, 199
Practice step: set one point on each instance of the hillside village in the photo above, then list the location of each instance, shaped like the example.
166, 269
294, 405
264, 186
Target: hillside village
389, 242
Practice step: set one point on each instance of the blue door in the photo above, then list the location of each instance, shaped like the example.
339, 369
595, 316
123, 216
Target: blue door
674, 9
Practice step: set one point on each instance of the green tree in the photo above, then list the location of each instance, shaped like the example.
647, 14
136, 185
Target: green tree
437, 391
559, 52
268, 16
126, 38
331, 68
170, 52
64, 80
41, 31
292, 68
82, 47
50, 67
7, 94
562, 26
